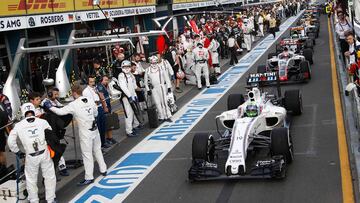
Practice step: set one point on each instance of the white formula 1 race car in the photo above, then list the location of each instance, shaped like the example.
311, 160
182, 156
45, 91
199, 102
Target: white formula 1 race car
256, 142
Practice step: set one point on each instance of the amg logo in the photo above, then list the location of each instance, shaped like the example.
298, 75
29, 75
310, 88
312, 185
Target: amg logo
36, 5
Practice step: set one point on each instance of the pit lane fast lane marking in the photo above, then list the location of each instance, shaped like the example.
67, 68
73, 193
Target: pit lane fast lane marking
120, 182
346, 179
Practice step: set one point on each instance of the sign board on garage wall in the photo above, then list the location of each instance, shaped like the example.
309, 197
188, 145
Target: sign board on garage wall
33, 21
29, 7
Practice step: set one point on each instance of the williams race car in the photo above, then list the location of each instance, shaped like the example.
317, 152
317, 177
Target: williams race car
256, 142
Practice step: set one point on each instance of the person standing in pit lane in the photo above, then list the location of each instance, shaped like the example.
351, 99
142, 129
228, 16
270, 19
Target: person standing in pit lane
201, 57
233, 46
92, 92
341, 27
53, 98
5, 117
31, 132
157, 77
102, 87
272, 26
85, 111
128, 87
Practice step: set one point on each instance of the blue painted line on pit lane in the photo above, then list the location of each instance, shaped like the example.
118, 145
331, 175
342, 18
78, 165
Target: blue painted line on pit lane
119, 183
116, 182
214, 90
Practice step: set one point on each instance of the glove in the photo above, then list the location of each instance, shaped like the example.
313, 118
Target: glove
149, 93
131, 99
20, 154
169, 90
47, 105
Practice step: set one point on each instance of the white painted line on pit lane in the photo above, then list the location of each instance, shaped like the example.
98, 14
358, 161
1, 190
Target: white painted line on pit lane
153, 148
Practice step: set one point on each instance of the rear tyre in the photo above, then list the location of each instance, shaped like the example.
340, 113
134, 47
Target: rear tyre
309, 44
308, 54
203, 147
234, 101
312, 36
261, 69
281, 144
293, 102
305, 69
270, 55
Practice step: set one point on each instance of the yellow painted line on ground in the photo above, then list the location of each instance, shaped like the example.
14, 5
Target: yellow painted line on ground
347, 186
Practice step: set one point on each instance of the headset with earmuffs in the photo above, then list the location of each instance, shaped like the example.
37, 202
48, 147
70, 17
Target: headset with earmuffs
50, 93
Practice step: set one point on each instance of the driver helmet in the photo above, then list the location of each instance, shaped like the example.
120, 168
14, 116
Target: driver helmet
251, 110
295, 34
26, 108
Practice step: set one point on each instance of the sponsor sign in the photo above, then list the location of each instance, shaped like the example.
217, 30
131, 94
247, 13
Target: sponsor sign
23, 22
183, 4
114, 13
12, 23
48, 20
26, 7
262, 77
126, 175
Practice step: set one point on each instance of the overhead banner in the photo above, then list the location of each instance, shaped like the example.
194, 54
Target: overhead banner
23, 22
28, 7
12, 23
49, 20
114, 13
183, 6
12, 7
186, 4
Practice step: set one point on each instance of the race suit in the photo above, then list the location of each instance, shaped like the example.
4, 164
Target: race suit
201, 55
85, 111
127, 84
160, 82
31, 132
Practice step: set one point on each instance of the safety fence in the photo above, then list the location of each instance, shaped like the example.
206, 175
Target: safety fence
351, 107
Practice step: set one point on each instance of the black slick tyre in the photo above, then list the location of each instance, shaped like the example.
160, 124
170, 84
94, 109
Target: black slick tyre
293, 102
281, 144
308, 54
203, 147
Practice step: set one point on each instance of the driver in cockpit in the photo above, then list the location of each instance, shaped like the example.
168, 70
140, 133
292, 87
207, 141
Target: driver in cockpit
251, 110
286, 54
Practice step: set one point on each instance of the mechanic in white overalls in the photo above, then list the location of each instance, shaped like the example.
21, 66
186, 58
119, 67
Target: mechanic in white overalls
201, 56
85, 112
246, 27
213, 47
157, 77
190, 68
127, 84
31, 133
165, 64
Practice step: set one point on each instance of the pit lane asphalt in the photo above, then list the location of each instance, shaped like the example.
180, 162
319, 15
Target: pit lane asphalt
314, 176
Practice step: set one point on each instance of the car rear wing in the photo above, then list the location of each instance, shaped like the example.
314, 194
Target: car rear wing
256, 78
264, 79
